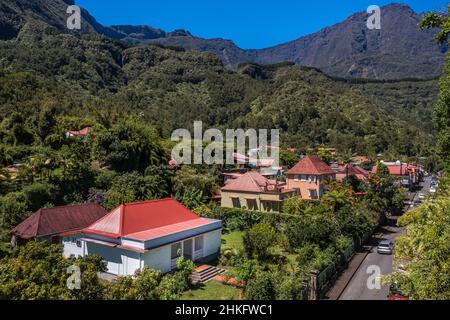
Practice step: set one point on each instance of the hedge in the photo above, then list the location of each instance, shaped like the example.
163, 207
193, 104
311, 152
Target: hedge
242, 219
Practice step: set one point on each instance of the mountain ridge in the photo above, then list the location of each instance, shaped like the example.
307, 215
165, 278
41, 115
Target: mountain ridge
345, 50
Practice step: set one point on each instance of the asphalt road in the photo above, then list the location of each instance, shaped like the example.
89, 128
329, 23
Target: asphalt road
358, 288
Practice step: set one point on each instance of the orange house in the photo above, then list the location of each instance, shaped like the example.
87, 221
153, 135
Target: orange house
307, 177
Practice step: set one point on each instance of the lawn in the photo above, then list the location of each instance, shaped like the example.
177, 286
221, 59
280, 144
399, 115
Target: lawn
212, 290
233, 240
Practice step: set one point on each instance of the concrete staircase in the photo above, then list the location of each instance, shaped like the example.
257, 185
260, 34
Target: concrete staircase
204, 273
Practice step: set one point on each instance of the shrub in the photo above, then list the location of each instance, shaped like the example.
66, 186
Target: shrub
259, 239
261, 287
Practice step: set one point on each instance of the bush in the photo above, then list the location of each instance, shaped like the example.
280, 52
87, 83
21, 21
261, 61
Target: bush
13, 209
290, 287
261, 287
259, 239
37, 195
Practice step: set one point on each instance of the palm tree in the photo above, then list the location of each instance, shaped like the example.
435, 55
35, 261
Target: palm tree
337, 198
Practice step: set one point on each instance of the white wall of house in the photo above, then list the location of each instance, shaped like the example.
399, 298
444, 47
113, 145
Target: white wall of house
126, 262
159, 258
73, 246
212, 242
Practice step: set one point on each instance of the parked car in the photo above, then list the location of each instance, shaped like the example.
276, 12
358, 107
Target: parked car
385, 246
421, 196
395, 293
433, 189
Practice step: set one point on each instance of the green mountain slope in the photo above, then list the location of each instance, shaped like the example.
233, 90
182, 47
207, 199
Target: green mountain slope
170, 88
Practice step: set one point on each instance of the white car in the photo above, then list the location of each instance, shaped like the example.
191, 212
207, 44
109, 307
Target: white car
433, 189
421, 196
385, 246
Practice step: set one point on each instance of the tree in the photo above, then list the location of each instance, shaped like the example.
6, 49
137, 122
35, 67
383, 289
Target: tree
191, 178
259, 239
132, 186
128, 146
191, 198
38, 271
261, 287
13, 209
288, 158
46, 123
355, 220
353, 182
382, 195
318, 226
423, 251
293, 205
37, 195
91, 287
442, 108
440, 21
146, 284
338, 196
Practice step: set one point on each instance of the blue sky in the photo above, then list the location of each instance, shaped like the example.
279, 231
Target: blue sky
249, 23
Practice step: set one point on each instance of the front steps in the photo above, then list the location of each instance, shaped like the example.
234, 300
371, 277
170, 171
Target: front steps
204, 273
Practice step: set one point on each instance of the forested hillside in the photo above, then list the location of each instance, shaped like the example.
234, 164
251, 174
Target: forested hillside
169, 88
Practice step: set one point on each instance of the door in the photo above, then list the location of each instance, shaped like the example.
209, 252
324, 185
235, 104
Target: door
198, 252
188, 249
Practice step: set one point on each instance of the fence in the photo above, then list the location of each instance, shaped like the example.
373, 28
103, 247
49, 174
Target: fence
323, 280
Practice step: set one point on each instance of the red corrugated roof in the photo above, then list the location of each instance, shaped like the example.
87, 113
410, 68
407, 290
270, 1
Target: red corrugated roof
311, 165
168, 229
140, 218
397, 169
49, 221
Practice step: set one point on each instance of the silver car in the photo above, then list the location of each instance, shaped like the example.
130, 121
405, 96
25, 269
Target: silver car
385, 246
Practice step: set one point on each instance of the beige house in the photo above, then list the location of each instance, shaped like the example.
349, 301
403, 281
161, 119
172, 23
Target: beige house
255, 192
307, 177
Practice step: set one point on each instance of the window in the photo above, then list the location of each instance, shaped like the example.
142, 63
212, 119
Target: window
297, 191
73, 240
303, 177
236, 202
267, 206
78, 243
311, 178
251, 204
296, 177
199, 243
313, 193
176, 250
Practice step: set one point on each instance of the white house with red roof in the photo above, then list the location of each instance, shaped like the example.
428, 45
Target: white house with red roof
151, 233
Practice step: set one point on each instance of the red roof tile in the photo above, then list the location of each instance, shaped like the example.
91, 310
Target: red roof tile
81, 133
49, 221
359, 172
311, 165
251, 181
145, 220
